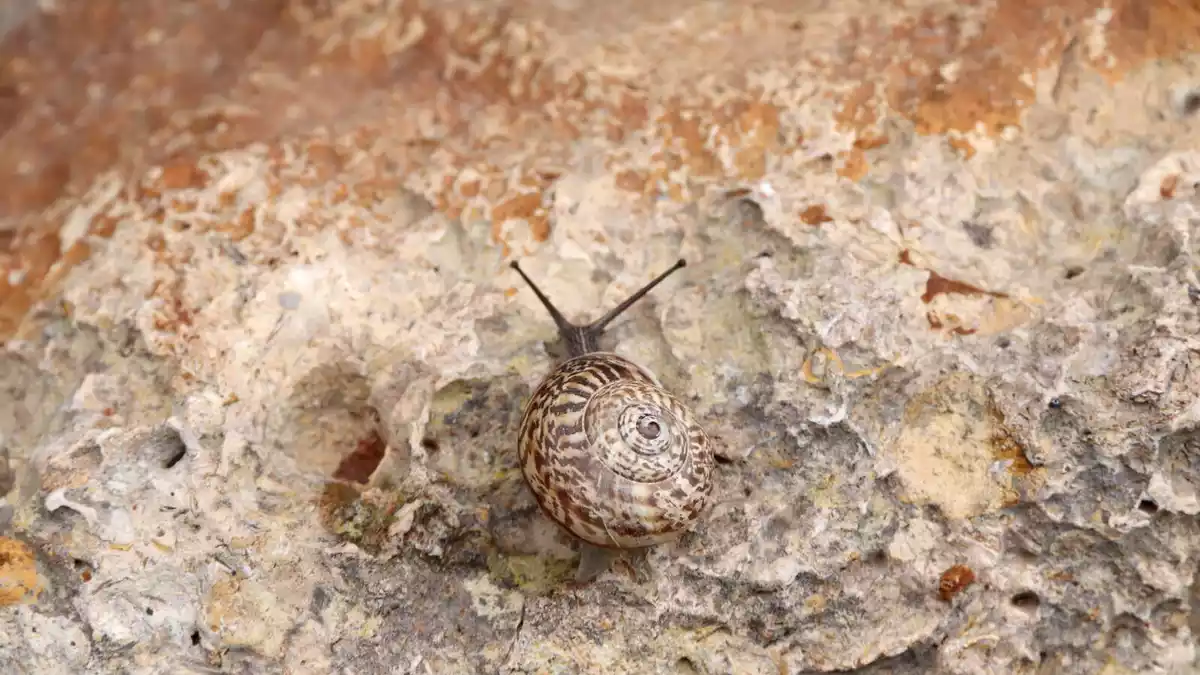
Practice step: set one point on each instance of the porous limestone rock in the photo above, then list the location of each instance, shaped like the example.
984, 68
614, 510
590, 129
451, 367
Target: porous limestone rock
941, 316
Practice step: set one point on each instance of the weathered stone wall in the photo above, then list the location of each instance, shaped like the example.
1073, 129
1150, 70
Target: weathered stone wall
265, 358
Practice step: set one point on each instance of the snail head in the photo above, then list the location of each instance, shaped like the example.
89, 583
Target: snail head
583, 339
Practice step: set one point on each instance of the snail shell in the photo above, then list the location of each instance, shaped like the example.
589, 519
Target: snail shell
612, 456
609, 454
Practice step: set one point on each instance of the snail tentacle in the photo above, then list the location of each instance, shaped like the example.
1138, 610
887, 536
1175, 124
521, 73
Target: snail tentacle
583, 339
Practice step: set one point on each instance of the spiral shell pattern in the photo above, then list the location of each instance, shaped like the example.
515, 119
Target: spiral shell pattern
612, 456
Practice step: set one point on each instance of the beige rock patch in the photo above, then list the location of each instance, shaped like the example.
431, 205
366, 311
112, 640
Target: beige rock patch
246, 614
954, 451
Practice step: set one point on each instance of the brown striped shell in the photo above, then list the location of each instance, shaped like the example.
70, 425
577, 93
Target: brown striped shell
612, 456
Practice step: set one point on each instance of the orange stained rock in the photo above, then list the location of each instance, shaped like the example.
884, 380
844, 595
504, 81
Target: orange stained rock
422, 66
19, 580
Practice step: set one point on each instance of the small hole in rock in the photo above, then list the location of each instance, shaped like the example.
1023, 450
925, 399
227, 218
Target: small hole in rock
685, 666
1073, 272
177, 454
363, 460
980, 235
721, 459
195, 638
1026, 554
430, 444
1055, 403
170, 445
1003, 343
1026, 600
1148, 506
749, 212
149, 611
1191, 103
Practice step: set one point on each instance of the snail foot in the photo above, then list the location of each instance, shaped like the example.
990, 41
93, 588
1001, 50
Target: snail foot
593, 561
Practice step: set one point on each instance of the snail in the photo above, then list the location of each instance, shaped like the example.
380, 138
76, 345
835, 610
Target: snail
609, 454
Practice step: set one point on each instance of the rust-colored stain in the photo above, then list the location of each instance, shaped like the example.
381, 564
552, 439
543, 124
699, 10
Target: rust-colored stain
936, 323
954, 580
930, 70
684, 135
945, 67
1167, 189
938, 284
1144, 30
815, 215
55, 140
1006, 449
757, 137
326, 160
854, 164
55, 123
963, 146
632, 181
857, 110
239, 228
1062, 576
33, 258
527, 206
868, 140
833, 366
180, 175
156, 242
989, 87
363, 460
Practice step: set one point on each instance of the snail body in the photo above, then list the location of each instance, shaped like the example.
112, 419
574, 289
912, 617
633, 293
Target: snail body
610, 455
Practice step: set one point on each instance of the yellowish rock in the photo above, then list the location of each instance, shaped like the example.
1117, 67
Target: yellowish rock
19, 580
246, 614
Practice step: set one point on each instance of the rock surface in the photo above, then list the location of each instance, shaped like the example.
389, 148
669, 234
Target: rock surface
265, 359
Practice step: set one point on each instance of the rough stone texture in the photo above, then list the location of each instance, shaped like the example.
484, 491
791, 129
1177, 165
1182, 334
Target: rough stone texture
265, 361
